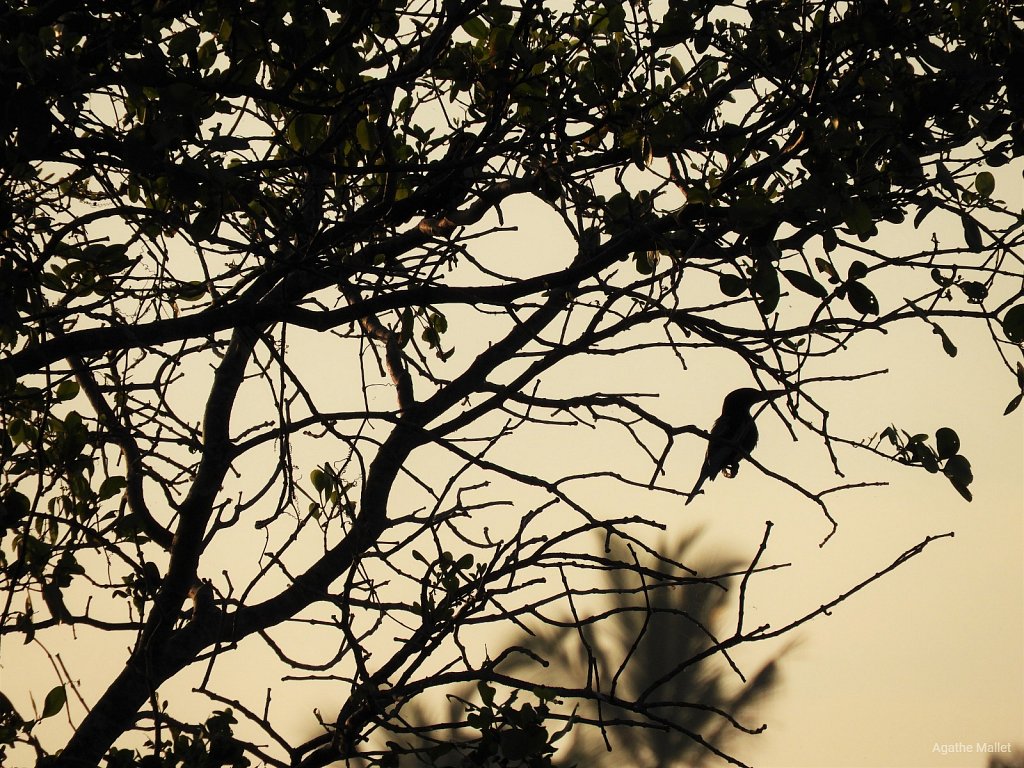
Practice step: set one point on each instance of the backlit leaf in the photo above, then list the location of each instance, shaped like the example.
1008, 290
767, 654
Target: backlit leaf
805, 283
947, 442
55, 701
947, 344
476, 27
972, 233
731, 285
861, 298
1013, 324
985, 183
958, 470
1012, 405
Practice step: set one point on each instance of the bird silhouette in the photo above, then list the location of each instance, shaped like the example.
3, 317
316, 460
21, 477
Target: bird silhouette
733, 436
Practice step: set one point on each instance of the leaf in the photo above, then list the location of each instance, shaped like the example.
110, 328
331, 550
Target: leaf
191, 291
500, 14
646, 261
997, 127
708, 71
941, 280
477, 28
825, 267
962, 489
305, 128
55, 701
207, 54
765, 283
958, 470
365, 136
731, 285
646, 156
702, 39
985, 183
616, 17
676, 27
24, 624
486, 693
319, 479
858, 218
861, 298
430, 336
947, 344
974, 291
805, 283
972, 233
550, 188
677, 71
922, 454
17, 429
926, 207
1013, 324
407, 326
1012, 405
829, 241
183, 42
947, 442
111, 486
67, 390
14, 506
858, 270
945, 179
205, 222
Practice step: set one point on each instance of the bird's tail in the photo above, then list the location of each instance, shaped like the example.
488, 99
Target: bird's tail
696, 487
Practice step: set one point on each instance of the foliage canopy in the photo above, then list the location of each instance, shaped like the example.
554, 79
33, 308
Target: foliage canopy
264, 290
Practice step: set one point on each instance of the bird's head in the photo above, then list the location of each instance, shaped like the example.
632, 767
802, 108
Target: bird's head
747, 396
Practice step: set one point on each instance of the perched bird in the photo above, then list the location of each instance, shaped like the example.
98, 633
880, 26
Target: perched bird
733, 436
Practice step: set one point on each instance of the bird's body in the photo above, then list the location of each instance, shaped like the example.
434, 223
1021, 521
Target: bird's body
733, 436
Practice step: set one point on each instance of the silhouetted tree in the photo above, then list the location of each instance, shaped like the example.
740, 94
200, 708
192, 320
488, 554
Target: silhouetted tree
298, 302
